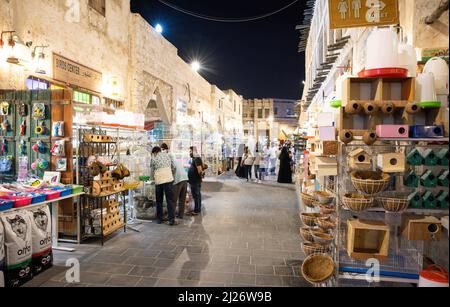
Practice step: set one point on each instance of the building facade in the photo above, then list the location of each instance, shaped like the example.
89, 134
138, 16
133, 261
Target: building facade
269, 120
344, 49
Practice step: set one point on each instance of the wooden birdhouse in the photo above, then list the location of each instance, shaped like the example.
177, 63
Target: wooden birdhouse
359, 160
367, 239
415, 157
326, 166
429, 180
443, 178
429, 200
443, 156
426, 228
430, 158
392, 162
411, 180
415, 200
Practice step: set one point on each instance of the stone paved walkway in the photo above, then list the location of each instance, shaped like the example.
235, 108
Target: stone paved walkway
248, 236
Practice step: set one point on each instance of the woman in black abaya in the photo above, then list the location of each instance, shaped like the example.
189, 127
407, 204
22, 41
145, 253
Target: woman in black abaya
285, 172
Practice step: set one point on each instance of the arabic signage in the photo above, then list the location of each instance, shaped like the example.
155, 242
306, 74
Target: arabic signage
362, 13
70, 72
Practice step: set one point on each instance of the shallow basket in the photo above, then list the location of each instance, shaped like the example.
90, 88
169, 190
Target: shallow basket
357, 202
370, 182
327, 209
323, 238
324, 198
318, 268
326, 224
393, 204
305, 234
315, 248
308, 200
309, 219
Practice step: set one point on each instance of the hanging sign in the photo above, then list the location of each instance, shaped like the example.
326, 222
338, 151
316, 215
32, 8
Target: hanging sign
76, 74
362, 13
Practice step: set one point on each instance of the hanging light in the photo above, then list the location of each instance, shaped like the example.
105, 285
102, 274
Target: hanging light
39, 58
8, 47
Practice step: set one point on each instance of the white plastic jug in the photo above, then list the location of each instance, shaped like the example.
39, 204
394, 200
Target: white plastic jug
407, 59
439, 68
382, 49
425, 89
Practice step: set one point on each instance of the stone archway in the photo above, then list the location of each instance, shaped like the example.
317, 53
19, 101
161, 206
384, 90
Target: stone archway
157, 99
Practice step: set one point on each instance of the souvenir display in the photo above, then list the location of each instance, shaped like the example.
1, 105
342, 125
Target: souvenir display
38, 112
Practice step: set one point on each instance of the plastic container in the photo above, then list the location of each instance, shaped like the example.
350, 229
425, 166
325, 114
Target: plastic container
50, 194
19, 201
433, 276
36, 198
64, 191
77, 189
426, 91
6, 205
427, 131
382, 57
407, 59
439, 68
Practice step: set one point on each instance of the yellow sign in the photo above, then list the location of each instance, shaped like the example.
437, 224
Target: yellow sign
76, 74
362, 13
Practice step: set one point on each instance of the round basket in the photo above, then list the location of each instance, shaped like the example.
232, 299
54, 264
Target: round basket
318, 268
392, 204
314, 248
327, 209
370, 182
357, 202
308, 200
306, 235
326, 224
309, 219
322, 237
324, 198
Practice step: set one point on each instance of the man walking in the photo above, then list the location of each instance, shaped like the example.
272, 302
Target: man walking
195, 175
180, 184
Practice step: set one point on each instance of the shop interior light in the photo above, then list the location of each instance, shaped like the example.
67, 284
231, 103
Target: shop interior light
8, 47
39, 58
159, 28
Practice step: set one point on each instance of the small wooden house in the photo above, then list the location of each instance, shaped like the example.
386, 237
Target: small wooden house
443, 178
443, 156
430, 158
415, 200
415, 157
429, 200
442, 200
392, 162
359, 160
411, 180
429, 180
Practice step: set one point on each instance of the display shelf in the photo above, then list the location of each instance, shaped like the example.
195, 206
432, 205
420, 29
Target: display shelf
107, 194
409, 210
43, 203
363, 277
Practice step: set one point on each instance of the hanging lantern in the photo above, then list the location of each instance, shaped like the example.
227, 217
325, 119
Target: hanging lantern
39, 59
7, 46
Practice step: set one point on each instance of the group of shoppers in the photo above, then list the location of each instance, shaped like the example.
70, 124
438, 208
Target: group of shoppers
171, 180
263, 163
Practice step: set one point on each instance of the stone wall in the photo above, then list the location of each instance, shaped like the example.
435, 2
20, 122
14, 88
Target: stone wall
72, 30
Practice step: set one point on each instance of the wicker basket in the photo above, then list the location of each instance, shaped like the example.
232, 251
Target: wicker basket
327, 209
314, 248
357, 202
326, 224
324, 198
308, 200
318, 268
393, 204
322, 237
309, 219
370, 182
306, 235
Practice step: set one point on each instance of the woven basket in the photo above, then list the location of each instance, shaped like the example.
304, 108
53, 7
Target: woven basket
327, 209
322, 237
324, 198
309, 219
308, 200
306, 235
357, 202
370, 182
392, 204
318, 268
314, 248
326, 224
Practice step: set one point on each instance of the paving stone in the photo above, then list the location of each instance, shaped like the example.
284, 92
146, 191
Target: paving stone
142, 271
210, 276
123, 281
245, 279
170, 274
265, 270
266, 280
147, 282
284, 270
247, 269
94, 278
142, 261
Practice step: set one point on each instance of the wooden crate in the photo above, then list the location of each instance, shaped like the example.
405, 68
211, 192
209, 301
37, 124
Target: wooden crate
367, 239
426, 228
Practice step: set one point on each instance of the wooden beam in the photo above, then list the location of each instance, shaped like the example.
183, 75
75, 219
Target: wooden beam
443, 6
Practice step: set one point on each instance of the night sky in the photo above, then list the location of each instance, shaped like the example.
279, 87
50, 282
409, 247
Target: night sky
257, 59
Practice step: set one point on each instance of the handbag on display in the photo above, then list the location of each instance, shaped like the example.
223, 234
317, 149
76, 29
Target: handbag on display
163, 175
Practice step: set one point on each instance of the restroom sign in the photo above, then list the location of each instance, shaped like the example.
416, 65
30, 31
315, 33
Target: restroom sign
362, 13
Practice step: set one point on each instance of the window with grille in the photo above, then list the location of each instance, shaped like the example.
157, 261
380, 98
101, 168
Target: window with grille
99, 6
260, 113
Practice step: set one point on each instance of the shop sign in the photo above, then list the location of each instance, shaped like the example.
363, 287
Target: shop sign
362, 13
70, 72
429, 53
